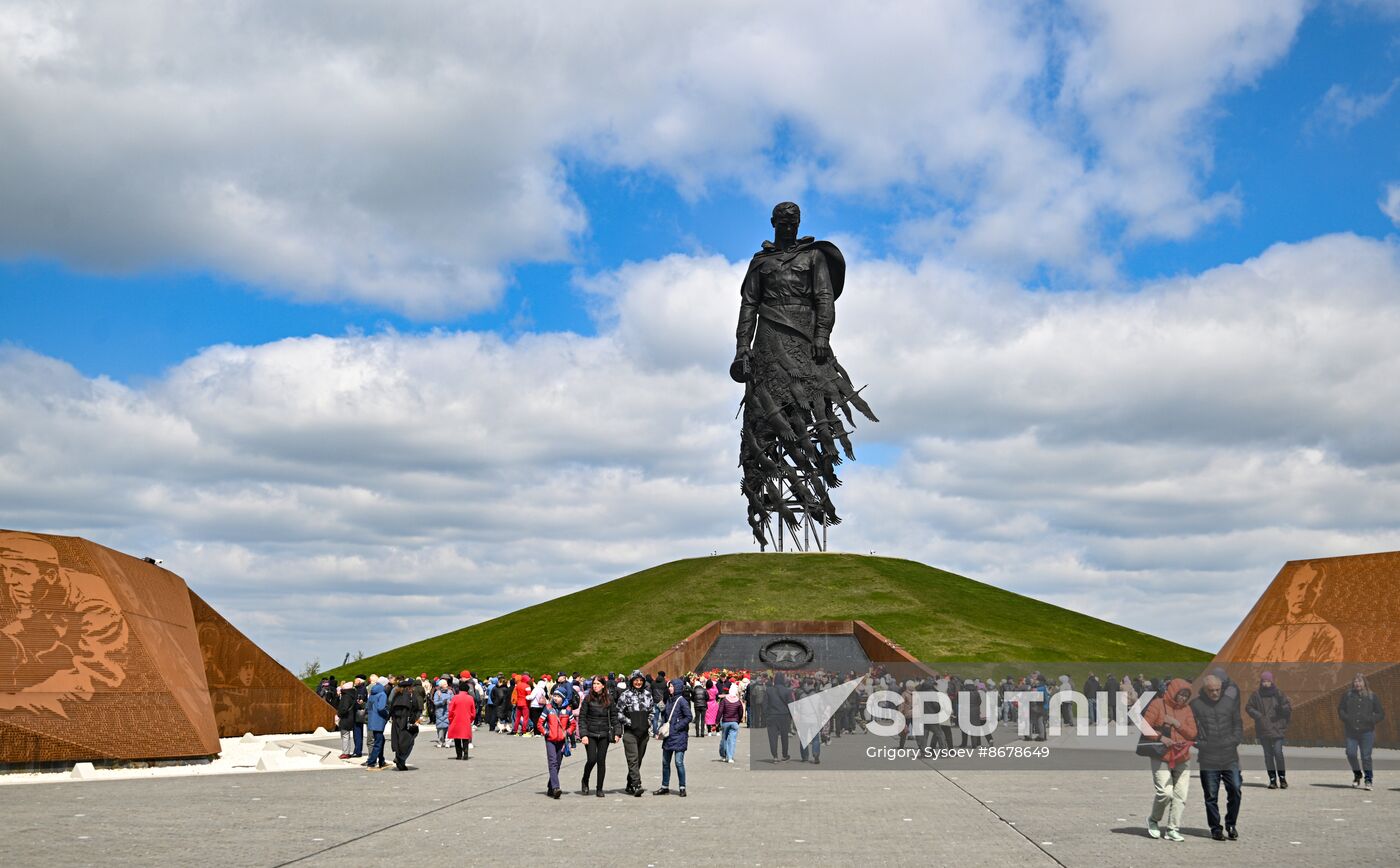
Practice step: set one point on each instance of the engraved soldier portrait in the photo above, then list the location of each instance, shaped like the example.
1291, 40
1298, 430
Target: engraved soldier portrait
62, 635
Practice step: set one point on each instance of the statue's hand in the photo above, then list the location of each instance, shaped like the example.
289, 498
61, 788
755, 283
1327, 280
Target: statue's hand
739, 368
821, 349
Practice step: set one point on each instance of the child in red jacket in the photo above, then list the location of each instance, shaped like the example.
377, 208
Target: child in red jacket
556, 724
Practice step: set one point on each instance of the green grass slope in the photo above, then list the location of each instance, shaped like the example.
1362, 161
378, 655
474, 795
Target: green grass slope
934, 614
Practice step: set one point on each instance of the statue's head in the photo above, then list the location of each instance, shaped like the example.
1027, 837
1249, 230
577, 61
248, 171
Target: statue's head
785, 215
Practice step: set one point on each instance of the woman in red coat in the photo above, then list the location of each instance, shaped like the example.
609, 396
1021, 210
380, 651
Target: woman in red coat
461, 711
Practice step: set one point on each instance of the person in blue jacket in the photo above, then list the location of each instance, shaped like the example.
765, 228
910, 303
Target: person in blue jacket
676, 718
377, 710
442, 696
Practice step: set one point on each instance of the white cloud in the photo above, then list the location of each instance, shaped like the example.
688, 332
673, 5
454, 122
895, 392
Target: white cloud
1149, 457
1390, 202
405, 156
1340, 109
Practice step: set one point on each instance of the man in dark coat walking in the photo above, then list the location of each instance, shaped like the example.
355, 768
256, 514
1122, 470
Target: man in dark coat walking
1219, 731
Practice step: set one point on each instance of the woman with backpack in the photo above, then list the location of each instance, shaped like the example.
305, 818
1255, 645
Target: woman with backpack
675, 737
600, 727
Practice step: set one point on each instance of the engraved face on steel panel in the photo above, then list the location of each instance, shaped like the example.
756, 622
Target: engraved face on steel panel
62, 634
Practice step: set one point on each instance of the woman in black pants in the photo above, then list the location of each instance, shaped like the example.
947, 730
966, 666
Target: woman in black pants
699, 698
600, 727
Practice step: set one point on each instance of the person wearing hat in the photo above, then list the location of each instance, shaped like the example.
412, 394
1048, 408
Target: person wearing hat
1169, 721
495, 702
730, 716
377, 712
1271, 712
442, 696
634, 705
520, 702
555, 724
566, 687
461, 711
404, 712
346, 706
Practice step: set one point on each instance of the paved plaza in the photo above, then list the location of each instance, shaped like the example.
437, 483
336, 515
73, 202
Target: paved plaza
492, 810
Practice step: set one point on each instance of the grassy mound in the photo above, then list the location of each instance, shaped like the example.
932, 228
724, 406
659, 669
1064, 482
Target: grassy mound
621, 624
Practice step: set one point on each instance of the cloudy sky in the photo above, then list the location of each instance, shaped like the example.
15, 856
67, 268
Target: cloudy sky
375, 321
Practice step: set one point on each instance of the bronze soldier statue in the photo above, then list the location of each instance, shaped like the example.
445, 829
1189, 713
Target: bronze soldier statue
793, 384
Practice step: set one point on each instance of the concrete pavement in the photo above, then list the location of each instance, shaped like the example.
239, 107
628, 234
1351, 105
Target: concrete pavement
492, 809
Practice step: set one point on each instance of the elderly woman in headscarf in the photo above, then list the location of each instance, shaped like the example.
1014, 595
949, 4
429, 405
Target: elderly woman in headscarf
1130, 693
1171, 724
441, 697
730, 714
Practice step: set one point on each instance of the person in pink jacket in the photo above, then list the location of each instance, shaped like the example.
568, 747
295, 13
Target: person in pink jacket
712, 708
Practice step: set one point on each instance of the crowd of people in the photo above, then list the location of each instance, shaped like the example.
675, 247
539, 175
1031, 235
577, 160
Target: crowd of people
569, 711
566, 711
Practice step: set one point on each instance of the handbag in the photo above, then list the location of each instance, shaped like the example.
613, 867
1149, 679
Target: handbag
361, 717
1150, 747
665, 728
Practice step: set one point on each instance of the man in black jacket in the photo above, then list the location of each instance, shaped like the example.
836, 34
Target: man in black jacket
1219, 731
